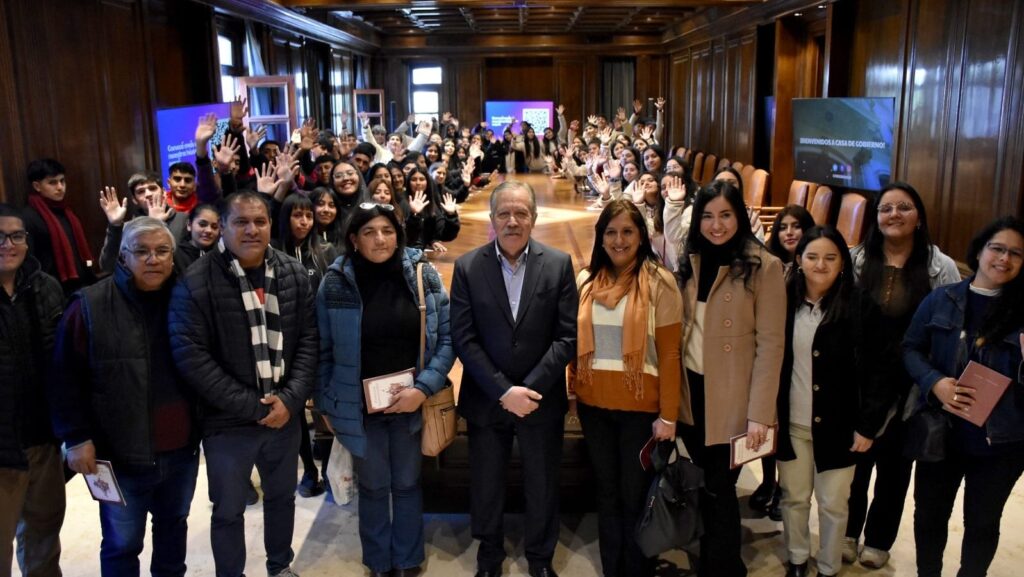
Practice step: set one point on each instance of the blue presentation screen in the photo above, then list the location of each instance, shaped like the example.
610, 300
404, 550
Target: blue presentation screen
176, 130
844, 142
499, 114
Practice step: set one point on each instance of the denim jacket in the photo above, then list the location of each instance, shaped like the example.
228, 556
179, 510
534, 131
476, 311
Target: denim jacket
339, 389
935, 347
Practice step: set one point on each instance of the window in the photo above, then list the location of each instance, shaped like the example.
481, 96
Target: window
426, 92
232, 64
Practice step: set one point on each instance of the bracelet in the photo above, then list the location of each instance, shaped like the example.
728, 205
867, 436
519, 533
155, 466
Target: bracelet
667, 422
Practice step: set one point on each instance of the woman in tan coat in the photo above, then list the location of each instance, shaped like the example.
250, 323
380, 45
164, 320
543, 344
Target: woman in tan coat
734, 320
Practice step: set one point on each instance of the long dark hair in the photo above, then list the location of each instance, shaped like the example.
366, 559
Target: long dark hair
1006, 313
599, 259
372, 190
836, 301
803, 218
659, 203
433, 191
916, 268
687, 176
742, 264
531, 146
333, 231
311, 243
734, 172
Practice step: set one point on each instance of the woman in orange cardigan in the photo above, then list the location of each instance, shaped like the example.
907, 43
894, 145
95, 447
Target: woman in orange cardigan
626, 375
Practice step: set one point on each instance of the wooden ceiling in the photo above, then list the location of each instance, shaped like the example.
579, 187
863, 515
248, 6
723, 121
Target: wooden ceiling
527, 17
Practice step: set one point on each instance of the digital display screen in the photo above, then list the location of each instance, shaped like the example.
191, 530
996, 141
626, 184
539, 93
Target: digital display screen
844, 142
176, 131
499, 114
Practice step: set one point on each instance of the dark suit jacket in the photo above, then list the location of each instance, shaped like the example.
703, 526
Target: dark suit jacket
497, 352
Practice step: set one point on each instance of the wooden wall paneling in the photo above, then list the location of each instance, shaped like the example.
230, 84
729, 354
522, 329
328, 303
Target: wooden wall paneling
924, 151
519, 79
12, 175
468, 78
788, 40
680, 101
721, 99
976, 191
745, 100
1013, 167
700, 94
591, 83
182, 38
127, 99
570, 87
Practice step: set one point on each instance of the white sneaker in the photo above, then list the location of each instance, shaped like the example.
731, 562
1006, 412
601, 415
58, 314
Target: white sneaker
873, 558
849, 550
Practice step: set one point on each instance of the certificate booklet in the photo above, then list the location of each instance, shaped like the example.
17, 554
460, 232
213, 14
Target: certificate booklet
989, 387
379, 391
740, 454
103, 485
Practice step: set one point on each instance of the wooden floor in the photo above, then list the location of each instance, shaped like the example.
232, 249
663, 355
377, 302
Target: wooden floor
563, 222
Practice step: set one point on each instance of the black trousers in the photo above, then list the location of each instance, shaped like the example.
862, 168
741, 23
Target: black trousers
614, 440
720, 509
891, 485
988, 483
306, 450
490, 446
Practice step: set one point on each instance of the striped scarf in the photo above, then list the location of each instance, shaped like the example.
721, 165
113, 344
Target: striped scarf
264, 321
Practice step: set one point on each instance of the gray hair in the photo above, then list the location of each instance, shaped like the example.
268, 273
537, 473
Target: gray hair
141, 225
510, 185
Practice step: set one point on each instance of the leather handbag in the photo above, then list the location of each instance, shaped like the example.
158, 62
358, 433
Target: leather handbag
439, 417
671, 518
926, 434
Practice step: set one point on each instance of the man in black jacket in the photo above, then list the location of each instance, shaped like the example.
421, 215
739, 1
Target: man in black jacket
115, 396
513, 315
244, 335
31, 476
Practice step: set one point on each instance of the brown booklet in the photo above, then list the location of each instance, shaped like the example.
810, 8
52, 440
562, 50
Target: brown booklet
989, 387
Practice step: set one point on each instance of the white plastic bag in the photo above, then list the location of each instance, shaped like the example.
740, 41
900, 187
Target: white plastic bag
339, 474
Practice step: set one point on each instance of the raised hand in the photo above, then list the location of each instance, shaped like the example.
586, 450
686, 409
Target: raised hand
205, 130
239, 109
638, 106
266, 179
560, 109
675, 189
635, 191
605, 135
601, 184
574, 126
226, 152
446, 117
254, 135
592, 119
448, 204
411, 119
424, 128
114, 210
613, 169
287, 167
157, 208
660, 103
621, 114
309, 134
647, 133
418, 202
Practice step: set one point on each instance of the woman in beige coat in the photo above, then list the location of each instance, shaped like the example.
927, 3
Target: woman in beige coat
734, 320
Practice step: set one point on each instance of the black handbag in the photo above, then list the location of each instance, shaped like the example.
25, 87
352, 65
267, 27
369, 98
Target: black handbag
926, 433
671, 518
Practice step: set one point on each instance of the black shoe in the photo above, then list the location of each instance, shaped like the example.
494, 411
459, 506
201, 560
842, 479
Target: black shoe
796, 570
380, 574
486, 573
762, 496
252, 497
310, 486
543, 571
775, 507
408, 572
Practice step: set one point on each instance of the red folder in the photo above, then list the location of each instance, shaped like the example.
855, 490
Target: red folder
989, 387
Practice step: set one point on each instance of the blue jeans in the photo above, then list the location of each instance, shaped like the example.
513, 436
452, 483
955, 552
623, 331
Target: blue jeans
230, 456
165, 491
390, 498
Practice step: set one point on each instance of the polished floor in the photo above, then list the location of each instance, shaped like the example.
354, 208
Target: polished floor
326, 538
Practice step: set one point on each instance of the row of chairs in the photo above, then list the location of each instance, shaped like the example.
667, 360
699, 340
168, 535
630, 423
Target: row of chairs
755, 180
817, 199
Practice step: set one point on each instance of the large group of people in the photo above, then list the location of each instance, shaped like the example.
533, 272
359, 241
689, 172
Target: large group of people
269, 274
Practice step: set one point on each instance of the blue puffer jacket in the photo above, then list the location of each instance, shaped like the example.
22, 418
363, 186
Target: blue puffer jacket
339, 390
934, 347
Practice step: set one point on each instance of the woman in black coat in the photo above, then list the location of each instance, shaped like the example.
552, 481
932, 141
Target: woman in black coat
830, 403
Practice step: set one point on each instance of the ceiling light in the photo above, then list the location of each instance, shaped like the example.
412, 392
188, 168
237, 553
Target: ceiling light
821, 6
798, 14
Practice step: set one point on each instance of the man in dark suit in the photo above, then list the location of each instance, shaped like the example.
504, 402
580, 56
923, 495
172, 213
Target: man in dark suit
513, 310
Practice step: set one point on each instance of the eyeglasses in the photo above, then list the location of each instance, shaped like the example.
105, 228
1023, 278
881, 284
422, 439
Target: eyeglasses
902, 208
372, 205
999, 250
160, 254
19, 237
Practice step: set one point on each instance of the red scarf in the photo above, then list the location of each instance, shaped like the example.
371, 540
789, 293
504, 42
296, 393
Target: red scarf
185, 206
63, 254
